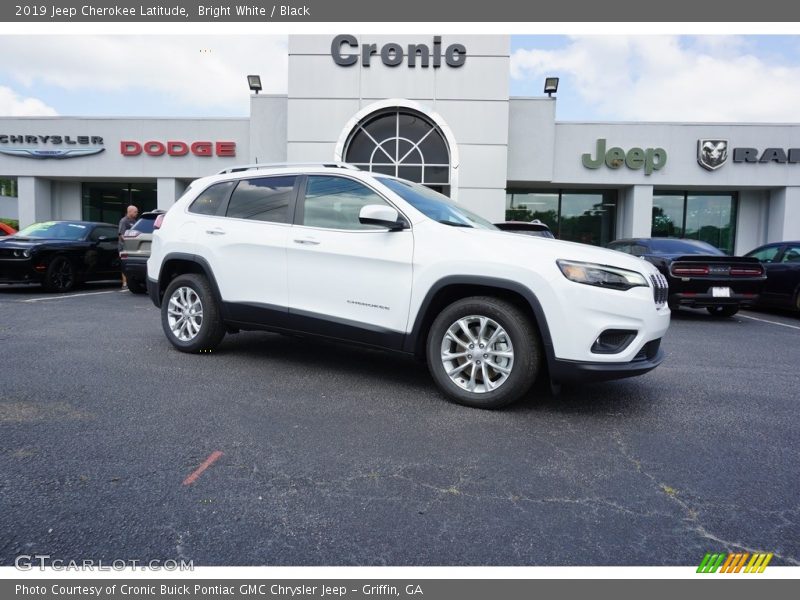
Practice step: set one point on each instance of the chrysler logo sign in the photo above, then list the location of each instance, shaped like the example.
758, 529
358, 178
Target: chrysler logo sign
60, 153
712, 154
50, 146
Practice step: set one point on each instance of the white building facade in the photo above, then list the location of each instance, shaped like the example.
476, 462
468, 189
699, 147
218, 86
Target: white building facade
434, 109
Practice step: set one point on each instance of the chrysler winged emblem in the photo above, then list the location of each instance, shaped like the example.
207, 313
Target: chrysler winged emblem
712, 154
58, 154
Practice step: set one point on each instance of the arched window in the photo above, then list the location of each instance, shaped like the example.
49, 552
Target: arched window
404, 143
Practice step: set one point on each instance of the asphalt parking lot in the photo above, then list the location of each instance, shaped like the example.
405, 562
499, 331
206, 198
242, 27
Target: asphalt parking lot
333, 454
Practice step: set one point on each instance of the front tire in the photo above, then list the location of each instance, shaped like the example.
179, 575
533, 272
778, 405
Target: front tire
483, 352
60, 275
722, 311
190, 315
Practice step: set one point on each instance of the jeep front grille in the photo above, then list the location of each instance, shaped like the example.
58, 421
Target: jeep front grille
660, 289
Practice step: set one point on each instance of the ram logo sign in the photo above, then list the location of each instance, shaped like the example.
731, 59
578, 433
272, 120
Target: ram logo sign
712, 154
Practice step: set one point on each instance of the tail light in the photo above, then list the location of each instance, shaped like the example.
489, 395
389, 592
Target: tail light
159, 221
123, 255
746, 271
132, 233
688, 271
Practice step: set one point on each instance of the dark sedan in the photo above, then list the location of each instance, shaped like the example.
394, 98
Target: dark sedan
700, 275
782, 262
60, 254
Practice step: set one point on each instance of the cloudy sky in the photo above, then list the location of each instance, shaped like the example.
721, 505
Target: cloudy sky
670, 78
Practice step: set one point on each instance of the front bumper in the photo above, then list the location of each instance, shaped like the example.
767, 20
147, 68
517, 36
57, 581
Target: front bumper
574, 372
19, 271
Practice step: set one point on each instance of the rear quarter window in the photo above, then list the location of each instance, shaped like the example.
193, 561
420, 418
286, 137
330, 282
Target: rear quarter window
211, 199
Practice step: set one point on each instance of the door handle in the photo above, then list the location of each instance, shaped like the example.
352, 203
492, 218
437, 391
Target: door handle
215, 231
307, 242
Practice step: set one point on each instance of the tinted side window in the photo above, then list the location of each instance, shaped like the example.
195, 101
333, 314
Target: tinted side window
791, 255
264, 199
209, 201
335, 203
108, 232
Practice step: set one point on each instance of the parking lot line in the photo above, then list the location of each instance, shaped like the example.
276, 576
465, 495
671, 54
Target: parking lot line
212, 458
768, 321
68, 296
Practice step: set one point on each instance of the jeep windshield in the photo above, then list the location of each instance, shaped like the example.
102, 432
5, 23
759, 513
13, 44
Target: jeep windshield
434, 205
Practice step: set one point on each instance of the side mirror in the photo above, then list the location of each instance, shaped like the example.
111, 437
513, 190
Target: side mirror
382, 216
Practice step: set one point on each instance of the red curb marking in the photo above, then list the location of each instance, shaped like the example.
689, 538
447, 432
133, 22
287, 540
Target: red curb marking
212, 458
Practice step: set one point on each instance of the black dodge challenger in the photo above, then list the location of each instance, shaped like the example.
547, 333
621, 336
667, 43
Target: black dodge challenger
700, 275
60, 254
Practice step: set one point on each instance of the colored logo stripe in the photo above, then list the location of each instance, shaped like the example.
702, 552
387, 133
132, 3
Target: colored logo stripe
734, 561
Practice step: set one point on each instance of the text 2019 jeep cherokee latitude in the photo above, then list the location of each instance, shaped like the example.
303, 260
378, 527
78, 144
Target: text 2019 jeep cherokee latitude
333, 251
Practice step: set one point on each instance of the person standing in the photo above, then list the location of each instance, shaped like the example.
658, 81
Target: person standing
126, 223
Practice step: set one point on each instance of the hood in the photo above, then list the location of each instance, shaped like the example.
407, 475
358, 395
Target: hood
21, 243
508, 244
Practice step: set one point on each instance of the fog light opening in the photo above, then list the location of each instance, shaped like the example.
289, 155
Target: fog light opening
613, 341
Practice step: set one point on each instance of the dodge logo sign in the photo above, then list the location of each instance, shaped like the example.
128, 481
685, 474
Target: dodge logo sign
712, 154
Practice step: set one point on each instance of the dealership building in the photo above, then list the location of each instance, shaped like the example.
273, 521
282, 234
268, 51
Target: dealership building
434, 109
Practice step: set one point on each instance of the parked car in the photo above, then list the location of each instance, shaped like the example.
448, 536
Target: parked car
60, 254
336, 252
782, 263
700, 275
535, 228
136, 244
6, 230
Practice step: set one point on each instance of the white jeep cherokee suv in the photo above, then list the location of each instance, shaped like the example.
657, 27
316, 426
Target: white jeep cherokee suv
333, 251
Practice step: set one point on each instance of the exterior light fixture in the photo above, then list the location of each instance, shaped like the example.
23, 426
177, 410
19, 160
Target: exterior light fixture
550, 86
254, 81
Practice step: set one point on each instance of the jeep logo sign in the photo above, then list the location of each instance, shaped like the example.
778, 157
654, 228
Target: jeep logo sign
345, 53
649, 159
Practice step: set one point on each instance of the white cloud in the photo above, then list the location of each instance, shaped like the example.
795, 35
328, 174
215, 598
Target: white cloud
652, 78
198, 71
14, 105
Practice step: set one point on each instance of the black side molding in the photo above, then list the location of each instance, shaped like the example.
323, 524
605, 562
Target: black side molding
412, 338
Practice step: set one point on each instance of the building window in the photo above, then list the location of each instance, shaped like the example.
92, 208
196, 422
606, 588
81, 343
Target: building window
587, 216
8, 187
706, 216
403, 143
107, 201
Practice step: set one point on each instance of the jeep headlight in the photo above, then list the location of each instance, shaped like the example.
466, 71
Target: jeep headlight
601, 275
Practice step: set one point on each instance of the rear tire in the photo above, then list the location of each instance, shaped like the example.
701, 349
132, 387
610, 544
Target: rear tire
60, 275
136, 287
483, 352
190, 315
722, 311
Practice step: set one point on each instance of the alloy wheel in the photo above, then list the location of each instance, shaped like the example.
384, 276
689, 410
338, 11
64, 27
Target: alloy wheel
185, 313
62, 275
477, 354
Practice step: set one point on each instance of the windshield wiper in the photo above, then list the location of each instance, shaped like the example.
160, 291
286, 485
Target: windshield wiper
454, 224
